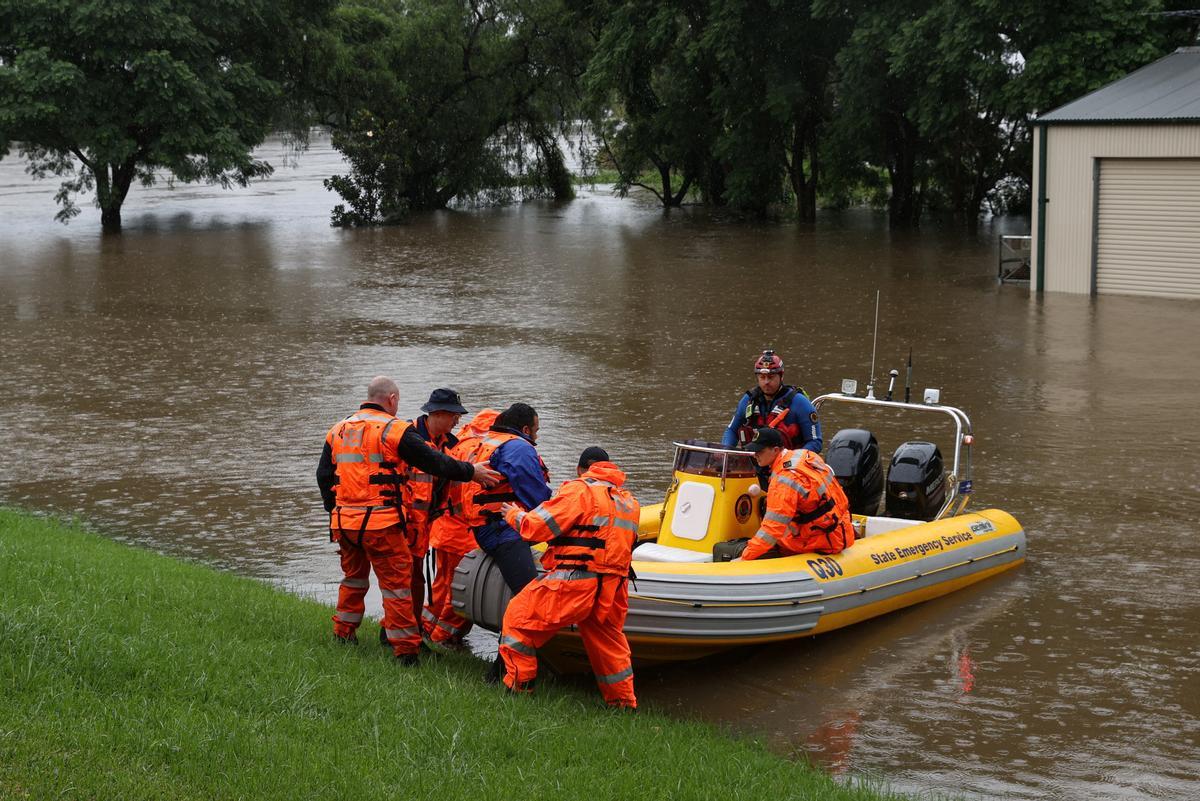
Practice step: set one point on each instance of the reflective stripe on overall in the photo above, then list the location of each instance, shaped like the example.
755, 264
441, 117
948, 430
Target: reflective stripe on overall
604, 541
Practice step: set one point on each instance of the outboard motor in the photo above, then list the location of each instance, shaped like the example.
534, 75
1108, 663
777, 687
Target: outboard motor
854, 456
916, 486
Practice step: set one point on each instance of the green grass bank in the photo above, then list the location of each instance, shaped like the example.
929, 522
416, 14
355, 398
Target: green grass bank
129, 675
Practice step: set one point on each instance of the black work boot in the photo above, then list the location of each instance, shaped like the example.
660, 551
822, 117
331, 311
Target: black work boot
383, 640
407, 660
495, 672
522, 688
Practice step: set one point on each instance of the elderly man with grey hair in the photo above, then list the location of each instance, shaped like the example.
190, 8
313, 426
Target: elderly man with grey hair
361, 474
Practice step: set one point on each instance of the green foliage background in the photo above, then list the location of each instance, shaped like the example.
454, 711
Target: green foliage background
756, 105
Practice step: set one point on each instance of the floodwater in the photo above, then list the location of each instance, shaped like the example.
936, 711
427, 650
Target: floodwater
173, 384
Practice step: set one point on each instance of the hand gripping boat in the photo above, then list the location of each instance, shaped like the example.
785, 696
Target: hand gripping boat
683, 604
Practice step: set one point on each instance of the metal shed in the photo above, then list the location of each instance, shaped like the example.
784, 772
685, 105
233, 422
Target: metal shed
1117, 186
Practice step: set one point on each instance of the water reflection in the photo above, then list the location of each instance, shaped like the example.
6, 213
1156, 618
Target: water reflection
174, 384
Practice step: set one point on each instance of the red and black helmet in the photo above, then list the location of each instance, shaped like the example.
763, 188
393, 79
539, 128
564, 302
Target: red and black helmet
768, 363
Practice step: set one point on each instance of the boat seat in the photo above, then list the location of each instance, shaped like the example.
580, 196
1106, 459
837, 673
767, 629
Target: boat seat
653, 552
882, 525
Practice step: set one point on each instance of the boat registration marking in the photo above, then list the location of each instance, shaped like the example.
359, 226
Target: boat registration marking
825, 568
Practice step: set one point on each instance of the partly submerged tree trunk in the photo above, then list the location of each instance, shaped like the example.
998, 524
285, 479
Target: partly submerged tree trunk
904, 206
664, 175
557, 177
681, 195
112, 186
804, 183
713, 185
110, 220
807, 202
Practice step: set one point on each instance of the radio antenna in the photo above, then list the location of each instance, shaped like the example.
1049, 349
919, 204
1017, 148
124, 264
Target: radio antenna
874, 342
908, 378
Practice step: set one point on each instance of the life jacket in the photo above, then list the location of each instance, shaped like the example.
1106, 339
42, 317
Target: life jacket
604, 542
449, 530
822, 522
421, 491
758, 415
369, 486
481, 505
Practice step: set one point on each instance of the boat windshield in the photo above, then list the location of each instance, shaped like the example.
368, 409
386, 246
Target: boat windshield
708, 462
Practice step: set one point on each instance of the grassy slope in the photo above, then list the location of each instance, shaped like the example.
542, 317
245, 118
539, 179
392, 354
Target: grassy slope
128, 675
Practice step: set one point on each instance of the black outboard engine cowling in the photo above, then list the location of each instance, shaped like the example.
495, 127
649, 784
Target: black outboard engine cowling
916, 485
853, 454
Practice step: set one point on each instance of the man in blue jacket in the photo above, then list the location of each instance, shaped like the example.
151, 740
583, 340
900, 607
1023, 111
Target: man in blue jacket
519, 464
773, 404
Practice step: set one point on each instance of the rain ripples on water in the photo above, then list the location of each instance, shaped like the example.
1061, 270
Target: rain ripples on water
173, 385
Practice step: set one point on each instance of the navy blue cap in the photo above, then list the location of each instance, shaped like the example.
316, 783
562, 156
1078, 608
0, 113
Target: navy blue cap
444, 400
592, 455
764, 438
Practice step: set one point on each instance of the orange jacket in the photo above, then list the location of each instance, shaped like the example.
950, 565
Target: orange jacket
370, 472
807, 510
418, 497
591, 523
450, 531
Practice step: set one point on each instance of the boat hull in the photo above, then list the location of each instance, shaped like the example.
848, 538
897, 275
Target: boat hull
680, 611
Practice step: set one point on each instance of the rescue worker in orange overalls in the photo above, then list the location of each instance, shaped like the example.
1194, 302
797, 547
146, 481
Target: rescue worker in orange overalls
422, 491
451, 540
591, 526
361, 474
807, 510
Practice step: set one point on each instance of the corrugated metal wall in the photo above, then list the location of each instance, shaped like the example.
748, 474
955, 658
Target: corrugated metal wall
1071, 151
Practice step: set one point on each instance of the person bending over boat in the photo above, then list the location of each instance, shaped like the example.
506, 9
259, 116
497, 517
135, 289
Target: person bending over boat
509, 447
773, 404
361, 475
591, 525
807, 511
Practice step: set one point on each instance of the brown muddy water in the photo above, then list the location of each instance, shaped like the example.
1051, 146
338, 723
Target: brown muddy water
174, 383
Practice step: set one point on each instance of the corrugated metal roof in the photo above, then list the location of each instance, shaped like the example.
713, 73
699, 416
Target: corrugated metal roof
1167, 90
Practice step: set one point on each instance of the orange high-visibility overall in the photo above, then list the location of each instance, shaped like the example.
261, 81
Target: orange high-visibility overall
419, 491
591, 526
451, 539
807, 510
368, 525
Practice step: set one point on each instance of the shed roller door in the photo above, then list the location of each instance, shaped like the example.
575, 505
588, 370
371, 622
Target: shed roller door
1148, 228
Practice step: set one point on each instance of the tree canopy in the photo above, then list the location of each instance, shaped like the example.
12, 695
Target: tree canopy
432, 100
106, 92
755, 105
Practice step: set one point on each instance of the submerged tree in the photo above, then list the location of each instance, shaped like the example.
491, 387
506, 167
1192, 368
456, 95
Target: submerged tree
104, 93
650, 81
433, 100
774, 93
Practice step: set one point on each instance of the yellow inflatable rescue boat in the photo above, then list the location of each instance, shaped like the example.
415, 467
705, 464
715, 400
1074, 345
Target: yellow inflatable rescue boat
688, 600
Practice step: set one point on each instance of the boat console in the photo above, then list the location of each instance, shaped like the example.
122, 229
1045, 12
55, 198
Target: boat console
718, 495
